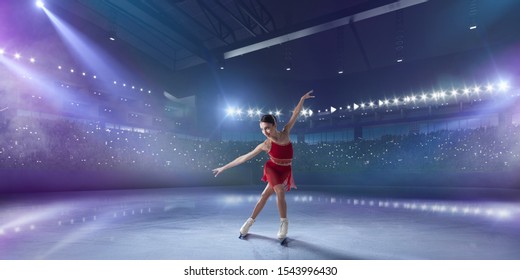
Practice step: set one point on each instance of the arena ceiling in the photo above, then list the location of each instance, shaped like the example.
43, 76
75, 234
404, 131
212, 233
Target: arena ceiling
264, 37
318, 36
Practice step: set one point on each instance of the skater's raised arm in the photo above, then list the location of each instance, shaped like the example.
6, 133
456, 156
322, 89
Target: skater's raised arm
241, 159
287, 128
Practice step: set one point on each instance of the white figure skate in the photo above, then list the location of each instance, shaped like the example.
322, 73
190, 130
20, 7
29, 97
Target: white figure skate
244, 230
282, 233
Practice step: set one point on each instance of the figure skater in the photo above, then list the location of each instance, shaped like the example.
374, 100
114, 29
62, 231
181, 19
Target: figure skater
277, 170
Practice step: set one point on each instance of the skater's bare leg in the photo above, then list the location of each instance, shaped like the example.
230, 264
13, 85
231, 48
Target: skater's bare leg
268, 191
280, 200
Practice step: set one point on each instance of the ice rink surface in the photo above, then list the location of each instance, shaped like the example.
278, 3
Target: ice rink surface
202, 223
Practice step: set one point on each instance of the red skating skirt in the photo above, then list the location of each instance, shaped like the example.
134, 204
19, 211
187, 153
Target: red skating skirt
277, 174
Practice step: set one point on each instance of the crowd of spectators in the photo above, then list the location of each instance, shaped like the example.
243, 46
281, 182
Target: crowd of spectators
30, 143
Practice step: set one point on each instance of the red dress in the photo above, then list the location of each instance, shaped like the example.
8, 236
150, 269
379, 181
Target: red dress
278, 170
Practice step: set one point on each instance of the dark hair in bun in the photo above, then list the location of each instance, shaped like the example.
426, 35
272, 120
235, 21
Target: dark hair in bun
268, 119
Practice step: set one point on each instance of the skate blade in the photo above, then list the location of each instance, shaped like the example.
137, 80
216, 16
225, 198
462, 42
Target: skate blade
283, 241
242, 236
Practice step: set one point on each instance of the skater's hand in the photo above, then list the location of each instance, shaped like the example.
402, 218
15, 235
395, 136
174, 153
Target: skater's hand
218, 170
308, 95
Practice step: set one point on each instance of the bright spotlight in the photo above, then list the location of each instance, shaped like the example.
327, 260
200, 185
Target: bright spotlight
503, 86
32, 60
2, 51
230, 111
40, 4
278, 113
17, 56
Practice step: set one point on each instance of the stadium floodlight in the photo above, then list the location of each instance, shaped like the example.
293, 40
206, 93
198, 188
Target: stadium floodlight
503, 86
250, 112
396, 101
371, 104
363, 105
489, 88
454, 92
258, 112
40, 4
310, 112
32, 60
386, 102
424, 96
2, 51
476, 89
230, 111
17, 56
466, 91
278, 113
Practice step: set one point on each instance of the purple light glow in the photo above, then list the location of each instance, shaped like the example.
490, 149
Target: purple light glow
87, 51
44, 85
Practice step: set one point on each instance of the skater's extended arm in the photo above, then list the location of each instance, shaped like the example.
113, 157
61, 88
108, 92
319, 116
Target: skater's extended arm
297, 111
241, 159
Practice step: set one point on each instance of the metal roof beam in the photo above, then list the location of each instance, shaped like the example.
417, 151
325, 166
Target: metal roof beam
358, 13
